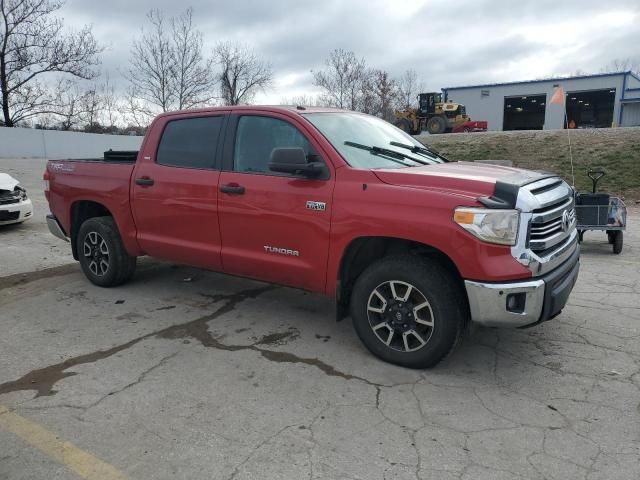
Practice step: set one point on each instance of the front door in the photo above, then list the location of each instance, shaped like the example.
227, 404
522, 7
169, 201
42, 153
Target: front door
275, 227
175, 191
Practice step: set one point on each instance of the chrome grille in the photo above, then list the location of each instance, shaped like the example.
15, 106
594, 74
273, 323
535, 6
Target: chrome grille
551, 224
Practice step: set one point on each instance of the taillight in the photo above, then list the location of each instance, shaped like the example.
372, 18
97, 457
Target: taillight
45, 180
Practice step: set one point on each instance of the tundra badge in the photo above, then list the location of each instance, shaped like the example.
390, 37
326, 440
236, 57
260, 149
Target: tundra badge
321, 206
281, 251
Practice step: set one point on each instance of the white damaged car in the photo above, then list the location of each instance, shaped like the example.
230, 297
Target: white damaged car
15, 206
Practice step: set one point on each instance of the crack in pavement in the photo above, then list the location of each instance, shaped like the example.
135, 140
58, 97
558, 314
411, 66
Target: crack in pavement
43, 380
24, 278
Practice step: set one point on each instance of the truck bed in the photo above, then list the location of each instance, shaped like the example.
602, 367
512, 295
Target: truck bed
110, 156
105, 181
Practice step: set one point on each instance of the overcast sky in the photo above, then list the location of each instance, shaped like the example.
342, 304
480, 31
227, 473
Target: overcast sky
449, 43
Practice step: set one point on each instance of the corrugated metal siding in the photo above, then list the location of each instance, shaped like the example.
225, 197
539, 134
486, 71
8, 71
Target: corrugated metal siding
481, 106
631, 115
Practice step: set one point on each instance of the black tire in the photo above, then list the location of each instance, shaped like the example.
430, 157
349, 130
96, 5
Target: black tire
436, 125
580, 236
617, 242
466, 130
447, 308
611, 235
103, 258
404, 124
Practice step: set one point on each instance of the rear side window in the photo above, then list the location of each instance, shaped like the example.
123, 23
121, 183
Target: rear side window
190, 142
257, 136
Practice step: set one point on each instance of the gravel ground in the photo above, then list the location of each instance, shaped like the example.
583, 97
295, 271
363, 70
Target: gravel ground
190, 374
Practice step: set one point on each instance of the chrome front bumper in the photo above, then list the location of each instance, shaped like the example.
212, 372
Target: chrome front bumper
55, 228
519, 304
488, 303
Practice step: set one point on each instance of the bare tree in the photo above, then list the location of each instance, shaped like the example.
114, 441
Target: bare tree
241, 73
194, 82
622, 65
302, 100
168, 70
112, 108
33, 43
407, 89
70, 104
152, 65
342, 79
383, 93
92, 106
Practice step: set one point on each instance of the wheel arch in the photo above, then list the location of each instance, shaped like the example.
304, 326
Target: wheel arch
81, 211
362, 251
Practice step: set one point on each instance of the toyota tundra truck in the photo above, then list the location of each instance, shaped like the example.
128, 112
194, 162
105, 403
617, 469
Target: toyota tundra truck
411, 246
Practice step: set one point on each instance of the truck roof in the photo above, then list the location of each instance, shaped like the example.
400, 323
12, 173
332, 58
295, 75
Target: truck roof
298, 109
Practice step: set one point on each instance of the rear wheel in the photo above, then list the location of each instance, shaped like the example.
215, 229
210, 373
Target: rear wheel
408, 311
436, 125
617, 242
103, 258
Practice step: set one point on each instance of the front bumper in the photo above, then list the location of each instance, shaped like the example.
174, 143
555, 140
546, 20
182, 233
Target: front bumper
521, 304
16, 212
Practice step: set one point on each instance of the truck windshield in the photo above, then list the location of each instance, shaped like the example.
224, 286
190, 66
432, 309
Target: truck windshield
370, 142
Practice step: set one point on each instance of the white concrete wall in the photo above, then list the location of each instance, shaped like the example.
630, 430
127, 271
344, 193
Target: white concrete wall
56, 145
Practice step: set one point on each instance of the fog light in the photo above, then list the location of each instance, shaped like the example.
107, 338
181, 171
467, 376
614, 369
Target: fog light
516, 302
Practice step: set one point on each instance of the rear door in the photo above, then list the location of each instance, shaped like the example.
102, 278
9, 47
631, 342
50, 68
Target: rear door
275, 227
174, 190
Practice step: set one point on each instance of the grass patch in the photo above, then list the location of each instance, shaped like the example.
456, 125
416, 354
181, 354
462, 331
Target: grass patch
615, 149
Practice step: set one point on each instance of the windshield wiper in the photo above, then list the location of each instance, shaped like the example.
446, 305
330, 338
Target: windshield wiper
391, 154
421, 150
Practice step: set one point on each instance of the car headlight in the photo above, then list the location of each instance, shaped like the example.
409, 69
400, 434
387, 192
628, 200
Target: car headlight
22, 192
493, 226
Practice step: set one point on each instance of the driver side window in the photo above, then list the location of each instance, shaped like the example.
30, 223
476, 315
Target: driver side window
257, 136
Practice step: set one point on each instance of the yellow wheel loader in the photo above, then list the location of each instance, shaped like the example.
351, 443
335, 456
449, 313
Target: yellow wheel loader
432, 115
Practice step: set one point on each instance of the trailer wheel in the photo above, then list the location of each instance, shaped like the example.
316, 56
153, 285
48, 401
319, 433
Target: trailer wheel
408, 311
436, 125
617, 242
611, 236
103, 258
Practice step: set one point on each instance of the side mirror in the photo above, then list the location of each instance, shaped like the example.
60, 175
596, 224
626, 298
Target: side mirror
293, 160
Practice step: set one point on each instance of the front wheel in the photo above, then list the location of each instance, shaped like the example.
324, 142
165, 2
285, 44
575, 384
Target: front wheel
103, 258
408, 311
436, 125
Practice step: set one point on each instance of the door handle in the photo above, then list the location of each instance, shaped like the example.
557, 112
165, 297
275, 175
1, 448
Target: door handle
232, 188
144, 181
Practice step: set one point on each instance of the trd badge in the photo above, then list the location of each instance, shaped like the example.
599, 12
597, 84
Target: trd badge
320, 206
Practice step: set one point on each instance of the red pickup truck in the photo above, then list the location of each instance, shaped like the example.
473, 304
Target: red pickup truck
411, 246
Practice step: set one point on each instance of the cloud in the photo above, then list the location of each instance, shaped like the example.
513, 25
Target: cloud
447, 42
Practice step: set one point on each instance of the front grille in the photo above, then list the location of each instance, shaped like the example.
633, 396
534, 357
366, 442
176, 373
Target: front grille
7, 197
551, 223
5, 216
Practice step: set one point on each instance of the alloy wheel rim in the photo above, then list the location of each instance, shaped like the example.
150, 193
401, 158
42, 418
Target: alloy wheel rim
400, 316
96, 252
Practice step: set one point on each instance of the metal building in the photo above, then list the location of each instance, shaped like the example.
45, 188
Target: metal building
593, 101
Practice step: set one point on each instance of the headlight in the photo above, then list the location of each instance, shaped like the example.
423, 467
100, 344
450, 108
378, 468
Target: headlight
22, 192
493, 226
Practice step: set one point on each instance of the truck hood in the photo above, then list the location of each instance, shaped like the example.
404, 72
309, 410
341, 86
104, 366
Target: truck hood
7, 182
467, 178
